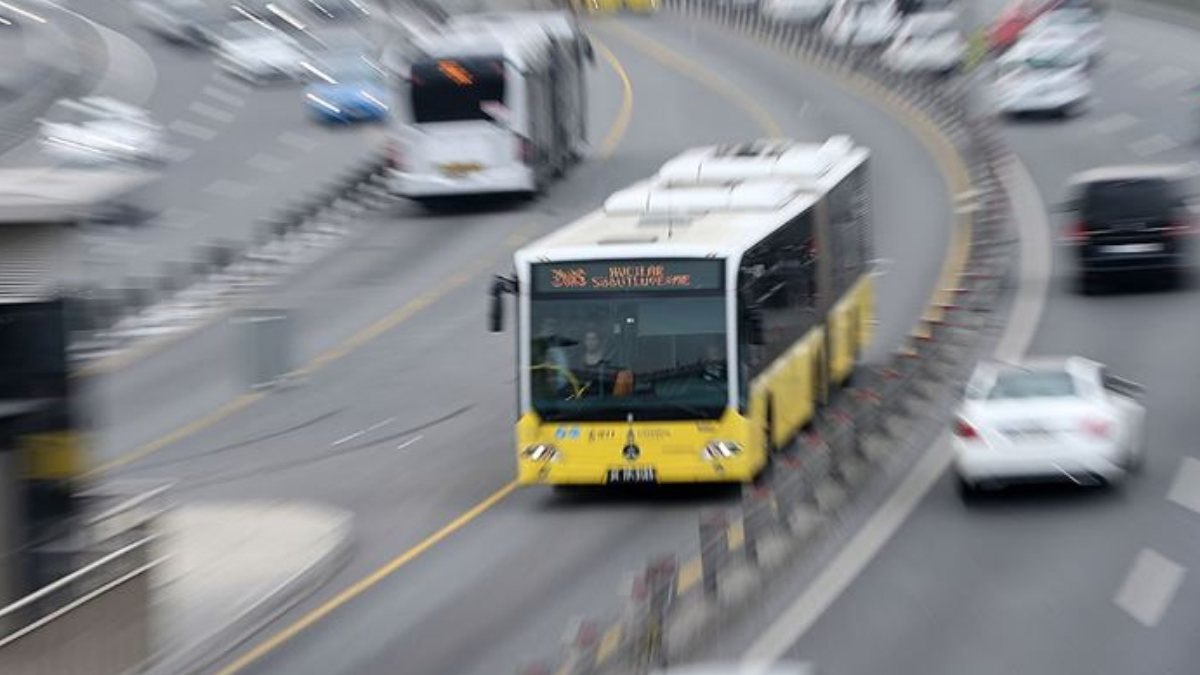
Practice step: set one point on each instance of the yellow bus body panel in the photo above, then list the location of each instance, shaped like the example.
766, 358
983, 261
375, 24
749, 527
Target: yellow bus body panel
587, 450
601, 6
674, 448
642, 6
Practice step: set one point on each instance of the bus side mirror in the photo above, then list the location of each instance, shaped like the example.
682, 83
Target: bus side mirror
500, 287
755, 326
588, 50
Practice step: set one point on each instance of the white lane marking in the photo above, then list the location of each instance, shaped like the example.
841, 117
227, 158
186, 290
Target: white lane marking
409, 442
1149, 587
192, 129
295, 140
263, 162
1152, 145
362, 432
346, 439
211, 112
232, 83
227, 188
181, 219
1115, 123
177, 153
1034, 274
223, 96
380, 425
1185, 491
1162, 76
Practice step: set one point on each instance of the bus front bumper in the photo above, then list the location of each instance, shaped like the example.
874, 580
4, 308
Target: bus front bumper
576, 473
492, 180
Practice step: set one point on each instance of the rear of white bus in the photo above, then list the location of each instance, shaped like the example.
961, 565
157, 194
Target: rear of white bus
466, 131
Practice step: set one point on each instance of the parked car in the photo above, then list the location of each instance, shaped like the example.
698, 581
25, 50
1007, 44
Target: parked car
99, 130
927, 42
1132, 219
1045, 419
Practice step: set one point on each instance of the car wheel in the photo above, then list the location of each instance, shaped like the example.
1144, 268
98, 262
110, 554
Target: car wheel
1090, 284
967, 490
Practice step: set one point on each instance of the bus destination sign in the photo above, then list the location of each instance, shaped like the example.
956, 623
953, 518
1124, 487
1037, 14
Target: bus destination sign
628, 275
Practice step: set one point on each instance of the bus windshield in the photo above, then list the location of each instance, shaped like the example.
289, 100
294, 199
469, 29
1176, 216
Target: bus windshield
602, 354
456, 90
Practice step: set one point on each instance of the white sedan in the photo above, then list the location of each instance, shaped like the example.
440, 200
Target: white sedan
1040, 75
255, 51
927, 42
98, 130
1056, 419
1076, 24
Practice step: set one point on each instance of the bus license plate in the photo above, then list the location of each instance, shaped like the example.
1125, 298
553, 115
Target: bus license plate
636, 474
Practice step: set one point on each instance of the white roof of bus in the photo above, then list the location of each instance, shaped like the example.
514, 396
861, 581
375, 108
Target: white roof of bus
729, 203
560, 23
518, 47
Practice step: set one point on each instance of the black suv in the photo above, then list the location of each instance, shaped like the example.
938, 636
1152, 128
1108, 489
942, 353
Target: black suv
1131, 219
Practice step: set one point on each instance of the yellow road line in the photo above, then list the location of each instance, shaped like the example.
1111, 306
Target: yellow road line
366, 583
240, 403
616, 132
625, 114
682, 64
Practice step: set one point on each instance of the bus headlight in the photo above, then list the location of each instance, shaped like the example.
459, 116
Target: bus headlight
721, 450
542, 452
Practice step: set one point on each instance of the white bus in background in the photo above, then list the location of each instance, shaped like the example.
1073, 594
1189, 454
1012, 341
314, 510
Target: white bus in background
492, 109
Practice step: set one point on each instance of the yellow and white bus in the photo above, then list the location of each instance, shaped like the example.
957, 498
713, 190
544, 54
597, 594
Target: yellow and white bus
691, 326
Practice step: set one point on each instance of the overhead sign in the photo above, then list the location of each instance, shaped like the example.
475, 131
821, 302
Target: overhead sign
593, 276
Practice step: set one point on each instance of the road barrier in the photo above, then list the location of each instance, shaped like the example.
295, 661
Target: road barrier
865, 424
223, 273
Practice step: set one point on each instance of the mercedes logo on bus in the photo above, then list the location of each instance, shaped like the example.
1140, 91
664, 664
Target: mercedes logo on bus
631, 452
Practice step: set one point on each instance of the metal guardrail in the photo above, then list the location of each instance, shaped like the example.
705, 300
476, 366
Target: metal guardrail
866, 422
224, 272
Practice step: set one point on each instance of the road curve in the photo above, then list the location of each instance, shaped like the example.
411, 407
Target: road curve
412, 429
1059, 581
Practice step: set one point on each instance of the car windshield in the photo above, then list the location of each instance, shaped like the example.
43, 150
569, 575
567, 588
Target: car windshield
1032, 384
596, 353
1124, 199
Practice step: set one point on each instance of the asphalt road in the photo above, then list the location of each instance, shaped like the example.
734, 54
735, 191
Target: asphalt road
236, 153
1061, 581
413, 428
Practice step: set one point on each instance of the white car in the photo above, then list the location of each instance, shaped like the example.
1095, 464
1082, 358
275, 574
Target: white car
1057, 419
927, 42
796, 11
864, 23
1074, 23
255, 51
191, 22
99, 130
1042, 75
